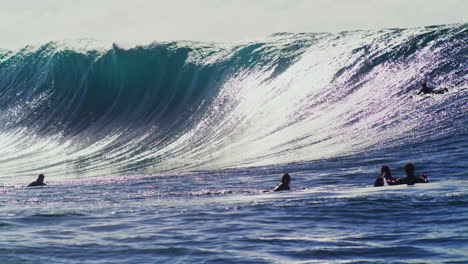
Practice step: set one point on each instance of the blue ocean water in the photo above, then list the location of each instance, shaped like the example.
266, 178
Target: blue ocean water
167, 153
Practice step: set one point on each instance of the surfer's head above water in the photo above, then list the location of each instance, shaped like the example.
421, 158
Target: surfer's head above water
284, 185
39, 181
409, 169
286, 179
385, 169
385, 176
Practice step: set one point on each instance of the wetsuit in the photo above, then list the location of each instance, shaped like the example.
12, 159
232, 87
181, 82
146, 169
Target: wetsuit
410, 180
427, 90
282, 187
36, 183
380, 182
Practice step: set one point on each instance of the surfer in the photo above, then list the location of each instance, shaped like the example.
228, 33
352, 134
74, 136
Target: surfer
385, 177
284, 185
38, 182
410, 178
426, 90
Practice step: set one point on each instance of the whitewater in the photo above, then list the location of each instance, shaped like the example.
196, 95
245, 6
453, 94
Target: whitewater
165, 153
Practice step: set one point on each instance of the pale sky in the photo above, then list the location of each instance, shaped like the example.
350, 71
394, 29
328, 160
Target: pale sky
144, 21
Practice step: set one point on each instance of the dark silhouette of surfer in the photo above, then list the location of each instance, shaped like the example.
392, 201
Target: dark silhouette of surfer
38, 182
426, 90
410, 178
385, 176
284, 185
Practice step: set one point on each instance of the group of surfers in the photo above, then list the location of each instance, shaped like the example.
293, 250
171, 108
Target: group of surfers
410, 179
385, 178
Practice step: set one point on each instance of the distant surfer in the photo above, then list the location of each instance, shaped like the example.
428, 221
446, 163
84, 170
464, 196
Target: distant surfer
385, 177
426, 90
284, 185
38, 182
410, 178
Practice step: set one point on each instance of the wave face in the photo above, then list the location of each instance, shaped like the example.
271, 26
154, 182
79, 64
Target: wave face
84, 112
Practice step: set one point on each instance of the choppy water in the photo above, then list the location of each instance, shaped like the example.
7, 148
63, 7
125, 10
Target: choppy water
226, 218
164, 153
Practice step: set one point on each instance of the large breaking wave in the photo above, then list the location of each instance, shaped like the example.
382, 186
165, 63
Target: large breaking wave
70, 110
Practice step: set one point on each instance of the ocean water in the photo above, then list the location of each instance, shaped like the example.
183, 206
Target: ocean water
168, 153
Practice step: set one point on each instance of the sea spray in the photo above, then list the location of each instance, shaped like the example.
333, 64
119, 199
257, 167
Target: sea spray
187, 105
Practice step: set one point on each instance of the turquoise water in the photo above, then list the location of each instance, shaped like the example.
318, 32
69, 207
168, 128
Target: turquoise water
167, 153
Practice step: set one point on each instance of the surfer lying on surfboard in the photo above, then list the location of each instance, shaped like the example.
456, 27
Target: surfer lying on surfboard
427, 90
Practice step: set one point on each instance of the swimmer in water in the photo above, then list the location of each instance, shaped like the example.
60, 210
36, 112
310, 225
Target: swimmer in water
385, 174
38, 182
427, 90
284, 185
410, 178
